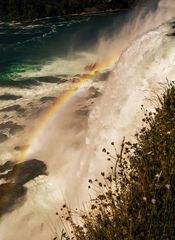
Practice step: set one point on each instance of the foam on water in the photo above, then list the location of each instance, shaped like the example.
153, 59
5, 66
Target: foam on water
115, 114
71, 145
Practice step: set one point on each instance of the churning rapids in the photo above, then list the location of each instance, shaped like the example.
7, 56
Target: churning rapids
103, 110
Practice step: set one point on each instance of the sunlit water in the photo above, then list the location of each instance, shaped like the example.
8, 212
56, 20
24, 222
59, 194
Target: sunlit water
72, 141
39, 59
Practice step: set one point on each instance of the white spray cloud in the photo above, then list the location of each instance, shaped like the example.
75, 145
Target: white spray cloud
148, 61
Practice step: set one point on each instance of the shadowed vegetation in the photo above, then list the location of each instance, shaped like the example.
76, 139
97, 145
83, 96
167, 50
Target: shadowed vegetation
135, 198
30, 9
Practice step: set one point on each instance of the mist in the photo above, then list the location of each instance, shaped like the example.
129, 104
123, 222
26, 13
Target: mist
71, 143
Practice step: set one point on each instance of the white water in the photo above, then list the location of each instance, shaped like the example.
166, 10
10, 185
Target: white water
71, 146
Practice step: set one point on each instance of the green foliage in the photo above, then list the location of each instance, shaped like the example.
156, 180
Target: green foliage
135, 198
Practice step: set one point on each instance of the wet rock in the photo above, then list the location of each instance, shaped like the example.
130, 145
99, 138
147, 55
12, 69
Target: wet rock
16, 108
26, 171
3, 137
5, 116
9, 97
83, 111
6, 166
11, 195
172, 24
6, 125
21, 148
16, 128
103, 77
11, 126
17, 148
90, 67
93, 92
27, 83
171, 34
46, 99
13, 192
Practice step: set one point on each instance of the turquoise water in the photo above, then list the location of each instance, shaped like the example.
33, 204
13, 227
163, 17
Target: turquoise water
29, 46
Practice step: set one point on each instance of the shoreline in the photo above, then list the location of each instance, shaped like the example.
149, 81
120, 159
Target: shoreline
62, 17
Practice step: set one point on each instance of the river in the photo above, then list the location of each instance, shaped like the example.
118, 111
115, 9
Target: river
68, 87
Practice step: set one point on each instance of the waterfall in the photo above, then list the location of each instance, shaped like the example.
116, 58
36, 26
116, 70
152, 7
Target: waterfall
71, 145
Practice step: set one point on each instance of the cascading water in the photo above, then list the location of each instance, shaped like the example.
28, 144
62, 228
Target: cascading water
71, 143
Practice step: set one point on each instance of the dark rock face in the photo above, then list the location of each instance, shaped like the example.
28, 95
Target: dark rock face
15, 129
20, 148
172, 25
49, 98
83, 112
7, 97
94, 92
12, 193
171, 34
16, 108
7, 166
6, 125
12, 128
26, 171
10, 196
3, 137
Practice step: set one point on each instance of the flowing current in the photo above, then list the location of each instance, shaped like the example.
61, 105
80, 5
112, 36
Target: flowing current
102, 111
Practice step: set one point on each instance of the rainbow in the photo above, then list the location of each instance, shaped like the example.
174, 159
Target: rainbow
47, 118
60, 103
